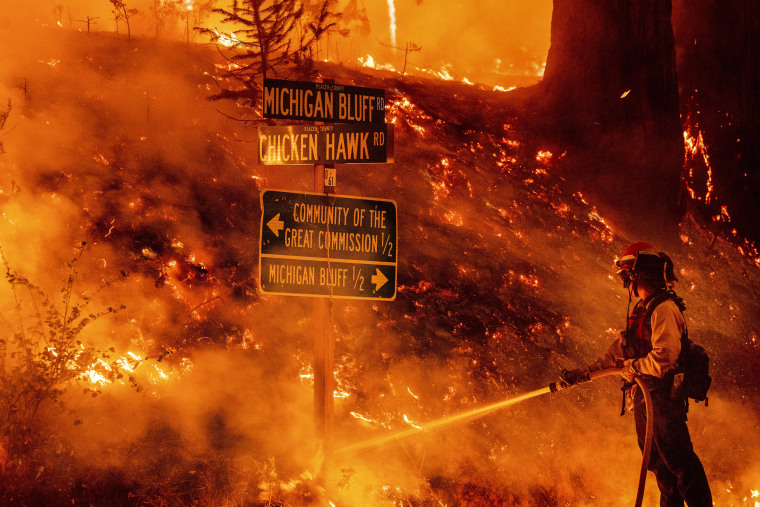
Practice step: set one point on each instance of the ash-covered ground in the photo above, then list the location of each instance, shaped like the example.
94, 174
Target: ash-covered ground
505, 277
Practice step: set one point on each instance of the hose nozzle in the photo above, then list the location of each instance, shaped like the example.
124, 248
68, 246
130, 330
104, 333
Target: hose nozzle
570, 379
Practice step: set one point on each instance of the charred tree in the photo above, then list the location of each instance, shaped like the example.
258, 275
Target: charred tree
718, 49
610, 94
4, 113
120, 11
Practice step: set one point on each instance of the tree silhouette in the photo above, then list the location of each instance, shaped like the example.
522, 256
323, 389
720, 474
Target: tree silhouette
4, 113
265, 35
120, 11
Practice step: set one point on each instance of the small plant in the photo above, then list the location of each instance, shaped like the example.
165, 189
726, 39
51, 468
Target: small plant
42, 356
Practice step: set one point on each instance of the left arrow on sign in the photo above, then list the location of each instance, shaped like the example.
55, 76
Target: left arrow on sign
276, 225
378, 279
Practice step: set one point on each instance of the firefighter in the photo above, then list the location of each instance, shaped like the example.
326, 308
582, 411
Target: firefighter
649, 349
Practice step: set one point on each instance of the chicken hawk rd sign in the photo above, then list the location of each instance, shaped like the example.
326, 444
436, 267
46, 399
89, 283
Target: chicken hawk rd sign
325, 144
318, 245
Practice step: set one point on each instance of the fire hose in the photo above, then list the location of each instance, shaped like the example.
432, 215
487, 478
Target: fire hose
554, 387
480, 411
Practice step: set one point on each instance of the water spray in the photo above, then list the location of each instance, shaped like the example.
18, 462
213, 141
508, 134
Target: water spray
481, 411
646, 452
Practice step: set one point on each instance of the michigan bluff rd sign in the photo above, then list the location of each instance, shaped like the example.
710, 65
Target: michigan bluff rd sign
318, 245
322, 102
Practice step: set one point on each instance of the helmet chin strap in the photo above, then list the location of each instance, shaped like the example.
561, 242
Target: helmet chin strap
628, 311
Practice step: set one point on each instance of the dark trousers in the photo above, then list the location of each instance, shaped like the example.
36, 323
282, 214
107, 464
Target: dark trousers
680, 475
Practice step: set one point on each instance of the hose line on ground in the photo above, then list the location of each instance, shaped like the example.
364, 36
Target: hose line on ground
647, 450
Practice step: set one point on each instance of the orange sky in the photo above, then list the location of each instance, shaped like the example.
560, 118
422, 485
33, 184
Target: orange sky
480, 40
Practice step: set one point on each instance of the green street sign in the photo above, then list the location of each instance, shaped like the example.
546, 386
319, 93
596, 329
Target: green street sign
327, 245
339, 279
324, 102
325, 144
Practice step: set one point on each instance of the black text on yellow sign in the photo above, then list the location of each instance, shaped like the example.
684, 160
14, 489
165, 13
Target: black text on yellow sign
323, 102
325, 144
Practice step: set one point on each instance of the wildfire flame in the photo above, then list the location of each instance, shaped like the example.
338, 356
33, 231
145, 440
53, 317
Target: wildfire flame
392, 20
226, 40
695, 148
696, 158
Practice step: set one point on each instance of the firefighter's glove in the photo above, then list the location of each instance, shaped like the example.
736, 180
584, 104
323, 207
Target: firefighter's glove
630, 370
571, 377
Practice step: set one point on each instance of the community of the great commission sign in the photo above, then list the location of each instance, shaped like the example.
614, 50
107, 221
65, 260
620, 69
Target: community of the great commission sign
341, 246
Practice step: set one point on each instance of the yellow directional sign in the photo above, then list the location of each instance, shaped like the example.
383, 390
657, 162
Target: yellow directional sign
327, 245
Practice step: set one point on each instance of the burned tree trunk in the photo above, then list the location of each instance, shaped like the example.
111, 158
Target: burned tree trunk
718, 47
611, 95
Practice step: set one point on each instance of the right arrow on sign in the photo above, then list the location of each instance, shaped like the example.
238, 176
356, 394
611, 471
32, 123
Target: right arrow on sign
378, 279
276, 225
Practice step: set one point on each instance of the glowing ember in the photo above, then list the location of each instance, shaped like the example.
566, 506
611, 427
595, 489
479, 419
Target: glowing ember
369, 62
226, 40
695, 147
544, 156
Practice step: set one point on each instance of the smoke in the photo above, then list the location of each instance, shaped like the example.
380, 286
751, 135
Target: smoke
496, 43
115, 144
502, 43
504, 279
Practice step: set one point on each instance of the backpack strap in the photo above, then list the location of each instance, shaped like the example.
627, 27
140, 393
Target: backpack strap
653, 301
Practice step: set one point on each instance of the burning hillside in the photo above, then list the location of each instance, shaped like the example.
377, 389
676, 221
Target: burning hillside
204, 385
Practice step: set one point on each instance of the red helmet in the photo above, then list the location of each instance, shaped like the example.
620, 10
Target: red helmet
641, 259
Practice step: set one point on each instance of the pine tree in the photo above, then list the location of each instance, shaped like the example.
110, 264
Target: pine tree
265, 35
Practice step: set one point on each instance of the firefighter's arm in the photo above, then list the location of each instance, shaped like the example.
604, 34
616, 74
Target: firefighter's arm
667, 326
611, 358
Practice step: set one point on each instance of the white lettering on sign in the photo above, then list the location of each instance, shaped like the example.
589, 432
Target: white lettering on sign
377, 219
356, 107
347, 241
298, 275
319, 104
346, 145
299, 238
333, 277
280, 148
285, 274
322, 214
319, 214
297, 102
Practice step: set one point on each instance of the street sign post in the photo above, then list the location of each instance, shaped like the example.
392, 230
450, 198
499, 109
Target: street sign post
325, 144
332, 246
321, 244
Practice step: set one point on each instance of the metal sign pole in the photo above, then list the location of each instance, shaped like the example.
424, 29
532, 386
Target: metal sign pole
324, 362
363, 242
